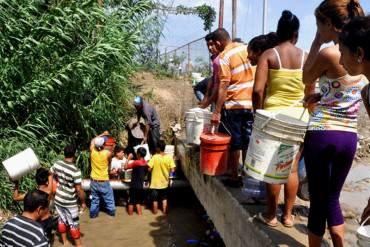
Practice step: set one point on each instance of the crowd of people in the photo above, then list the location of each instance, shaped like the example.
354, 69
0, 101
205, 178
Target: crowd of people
285, 80
59, 190
284, 75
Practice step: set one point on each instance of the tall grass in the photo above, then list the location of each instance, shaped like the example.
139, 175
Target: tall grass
65, 69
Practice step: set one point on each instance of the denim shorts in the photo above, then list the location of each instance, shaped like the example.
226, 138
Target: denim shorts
238, 124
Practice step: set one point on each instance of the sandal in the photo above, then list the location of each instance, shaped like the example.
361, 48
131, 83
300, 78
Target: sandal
287, 223
270, 223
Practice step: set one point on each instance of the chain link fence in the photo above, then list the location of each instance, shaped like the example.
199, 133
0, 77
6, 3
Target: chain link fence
189, 58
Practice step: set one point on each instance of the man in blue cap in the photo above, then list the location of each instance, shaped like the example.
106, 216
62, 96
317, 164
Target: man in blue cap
152, 124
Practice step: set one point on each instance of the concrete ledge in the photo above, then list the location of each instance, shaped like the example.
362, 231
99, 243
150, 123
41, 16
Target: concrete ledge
234, 223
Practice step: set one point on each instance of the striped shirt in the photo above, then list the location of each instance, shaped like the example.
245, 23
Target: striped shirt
23, 232
68, 176
236, 72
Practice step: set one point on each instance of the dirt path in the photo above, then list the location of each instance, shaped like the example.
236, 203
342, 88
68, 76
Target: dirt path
171, 97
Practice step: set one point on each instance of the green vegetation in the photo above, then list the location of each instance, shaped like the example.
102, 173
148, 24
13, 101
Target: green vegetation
65, 70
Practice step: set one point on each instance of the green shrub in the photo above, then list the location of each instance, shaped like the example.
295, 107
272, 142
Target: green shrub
64, 71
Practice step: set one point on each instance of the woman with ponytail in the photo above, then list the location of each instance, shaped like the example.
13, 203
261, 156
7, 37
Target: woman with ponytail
331, 139
278, 87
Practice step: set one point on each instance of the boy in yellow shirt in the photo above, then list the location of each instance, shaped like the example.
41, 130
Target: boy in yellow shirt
160, 165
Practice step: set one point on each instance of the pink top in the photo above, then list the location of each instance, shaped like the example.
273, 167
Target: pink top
216, 72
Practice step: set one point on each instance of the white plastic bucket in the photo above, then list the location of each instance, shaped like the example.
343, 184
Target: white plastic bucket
127, 176
147, 156
363, 234
195, 121
21, 164
170, 150
273, 146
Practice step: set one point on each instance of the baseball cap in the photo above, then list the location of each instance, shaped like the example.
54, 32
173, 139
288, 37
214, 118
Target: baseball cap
99, 142
138, 101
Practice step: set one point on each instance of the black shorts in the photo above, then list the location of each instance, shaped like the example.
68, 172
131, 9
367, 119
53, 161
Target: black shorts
238, 124
159, 194
136, 196
153, 138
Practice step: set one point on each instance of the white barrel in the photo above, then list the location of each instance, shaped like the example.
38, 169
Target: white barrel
273, 146
363, 234
170, 150
147, 156
21, 164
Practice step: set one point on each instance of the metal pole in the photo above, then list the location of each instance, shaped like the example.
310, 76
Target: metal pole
189, 61
234, 10
221, 15
264, 25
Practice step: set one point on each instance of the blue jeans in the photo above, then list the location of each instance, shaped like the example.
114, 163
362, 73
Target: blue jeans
101, 190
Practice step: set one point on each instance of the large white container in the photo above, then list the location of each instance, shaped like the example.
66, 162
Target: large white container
115, 184
274, 145
21, 164
147, 156
363, 234
195, 121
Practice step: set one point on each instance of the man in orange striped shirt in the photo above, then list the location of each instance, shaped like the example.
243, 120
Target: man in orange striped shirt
234, 103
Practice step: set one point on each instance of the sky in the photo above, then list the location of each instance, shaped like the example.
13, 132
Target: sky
181, 29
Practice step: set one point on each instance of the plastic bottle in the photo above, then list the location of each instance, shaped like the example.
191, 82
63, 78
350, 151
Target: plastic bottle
254, 188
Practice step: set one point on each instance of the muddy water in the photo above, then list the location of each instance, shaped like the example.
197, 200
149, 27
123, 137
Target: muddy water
183, 222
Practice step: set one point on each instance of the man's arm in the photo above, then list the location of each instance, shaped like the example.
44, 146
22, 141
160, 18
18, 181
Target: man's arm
225, 78
146, 133
16, 195
81, 195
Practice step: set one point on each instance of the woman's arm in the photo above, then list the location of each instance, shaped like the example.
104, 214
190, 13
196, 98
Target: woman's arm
316, 63
260, 81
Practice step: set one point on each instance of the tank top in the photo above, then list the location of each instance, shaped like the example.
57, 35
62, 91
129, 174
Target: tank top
99, 164
339, 104
284, 89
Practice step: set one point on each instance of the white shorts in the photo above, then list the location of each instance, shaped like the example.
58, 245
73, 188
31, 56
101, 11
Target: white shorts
69, 216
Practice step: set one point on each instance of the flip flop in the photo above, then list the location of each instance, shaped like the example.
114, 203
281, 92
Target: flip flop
288, 223
265, 221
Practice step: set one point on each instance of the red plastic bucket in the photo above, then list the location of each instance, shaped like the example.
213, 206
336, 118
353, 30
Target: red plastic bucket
214, 153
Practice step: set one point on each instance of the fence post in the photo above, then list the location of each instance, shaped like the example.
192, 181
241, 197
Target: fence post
165, 55
189, 61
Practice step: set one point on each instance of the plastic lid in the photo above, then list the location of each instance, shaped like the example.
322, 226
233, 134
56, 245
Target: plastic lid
216, 138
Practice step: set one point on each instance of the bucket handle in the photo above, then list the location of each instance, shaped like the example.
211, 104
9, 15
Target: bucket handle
277, 112
363, 223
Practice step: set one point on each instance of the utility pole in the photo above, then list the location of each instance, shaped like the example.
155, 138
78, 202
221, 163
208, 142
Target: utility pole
264, 25
234, 11
221, 15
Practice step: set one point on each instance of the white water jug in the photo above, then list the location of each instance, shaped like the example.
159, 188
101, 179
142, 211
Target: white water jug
21, 164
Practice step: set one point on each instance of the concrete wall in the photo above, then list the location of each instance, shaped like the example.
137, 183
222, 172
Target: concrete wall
230, 218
